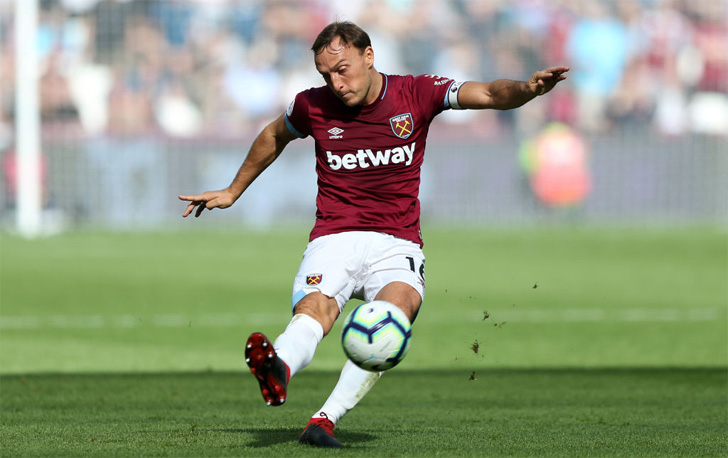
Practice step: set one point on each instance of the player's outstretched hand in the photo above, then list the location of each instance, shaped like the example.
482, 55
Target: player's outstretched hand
542, 81
210, 199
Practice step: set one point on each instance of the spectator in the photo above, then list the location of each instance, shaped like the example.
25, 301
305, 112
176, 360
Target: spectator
598, 50
633, 60
56, 101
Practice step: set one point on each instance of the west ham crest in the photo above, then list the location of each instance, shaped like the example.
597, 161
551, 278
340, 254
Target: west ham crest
314, 279
402, 125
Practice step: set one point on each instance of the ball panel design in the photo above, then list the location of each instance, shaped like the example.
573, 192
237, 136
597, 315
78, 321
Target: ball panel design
376, 336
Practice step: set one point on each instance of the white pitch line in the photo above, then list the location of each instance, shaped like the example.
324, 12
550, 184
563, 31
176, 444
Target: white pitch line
133, 321
227, 320
610, 316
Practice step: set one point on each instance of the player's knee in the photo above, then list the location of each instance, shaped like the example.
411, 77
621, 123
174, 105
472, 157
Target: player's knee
320, 307
403, 296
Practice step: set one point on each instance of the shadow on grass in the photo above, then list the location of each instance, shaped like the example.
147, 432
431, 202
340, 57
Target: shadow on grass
266, 437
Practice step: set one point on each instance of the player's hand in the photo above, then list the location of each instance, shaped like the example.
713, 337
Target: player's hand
208, 200
543, 81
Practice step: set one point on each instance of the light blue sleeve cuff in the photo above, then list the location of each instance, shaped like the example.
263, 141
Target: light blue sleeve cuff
292, 129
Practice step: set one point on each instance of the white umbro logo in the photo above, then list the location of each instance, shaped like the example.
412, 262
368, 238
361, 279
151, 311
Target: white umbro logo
336, 132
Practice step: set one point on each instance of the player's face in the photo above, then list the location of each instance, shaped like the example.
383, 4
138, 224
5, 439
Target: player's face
346, 71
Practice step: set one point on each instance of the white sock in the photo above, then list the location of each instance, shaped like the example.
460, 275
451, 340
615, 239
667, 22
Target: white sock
298, 342
354, 383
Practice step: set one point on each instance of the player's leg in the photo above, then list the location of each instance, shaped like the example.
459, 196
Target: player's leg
403, 296
354, 383
394, 276
313, 318
320, 289
274, 364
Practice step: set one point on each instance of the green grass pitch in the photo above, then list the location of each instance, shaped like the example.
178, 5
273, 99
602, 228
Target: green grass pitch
548, 342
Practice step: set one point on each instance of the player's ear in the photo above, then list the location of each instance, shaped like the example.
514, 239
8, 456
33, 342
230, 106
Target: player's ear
369, 56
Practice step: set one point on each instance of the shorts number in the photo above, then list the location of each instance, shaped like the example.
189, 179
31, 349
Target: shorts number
412, 266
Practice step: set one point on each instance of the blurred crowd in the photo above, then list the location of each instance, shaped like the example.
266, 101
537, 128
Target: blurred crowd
197, 68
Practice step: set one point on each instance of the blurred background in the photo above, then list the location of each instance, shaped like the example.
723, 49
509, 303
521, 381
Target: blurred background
142, 100
592, 221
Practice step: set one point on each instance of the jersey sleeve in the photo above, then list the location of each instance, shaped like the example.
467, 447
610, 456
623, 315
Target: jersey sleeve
437, 93
297, 116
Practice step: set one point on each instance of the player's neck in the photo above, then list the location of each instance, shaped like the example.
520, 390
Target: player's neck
375, 88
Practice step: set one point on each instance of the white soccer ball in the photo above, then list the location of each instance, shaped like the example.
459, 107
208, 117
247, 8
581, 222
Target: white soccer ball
376, 336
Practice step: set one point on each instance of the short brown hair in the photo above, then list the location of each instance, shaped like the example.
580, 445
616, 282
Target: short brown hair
348, 32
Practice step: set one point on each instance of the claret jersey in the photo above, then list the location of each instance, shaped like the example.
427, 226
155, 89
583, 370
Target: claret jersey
368, 158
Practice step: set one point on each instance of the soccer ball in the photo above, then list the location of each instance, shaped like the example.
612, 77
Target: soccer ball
376, 336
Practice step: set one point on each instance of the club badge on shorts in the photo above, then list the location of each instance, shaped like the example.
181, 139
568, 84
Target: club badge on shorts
402, 125
314, 279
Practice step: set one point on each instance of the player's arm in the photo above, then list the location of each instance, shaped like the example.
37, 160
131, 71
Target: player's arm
508, 94
266, 148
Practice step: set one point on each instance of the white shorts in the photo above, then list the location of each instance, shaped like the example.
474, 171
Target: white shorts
357, 265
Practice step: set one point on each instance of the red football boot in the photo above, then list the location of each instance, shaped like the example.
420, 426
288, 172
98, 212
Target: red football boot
272, 373
319, 432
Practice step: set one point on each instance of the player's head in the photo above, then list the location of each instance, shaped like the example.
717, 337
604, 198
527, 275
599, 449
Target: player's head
344, 56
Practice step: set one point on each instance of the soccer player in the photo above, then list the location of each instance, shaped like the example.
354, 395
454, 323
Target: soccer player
370, 131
